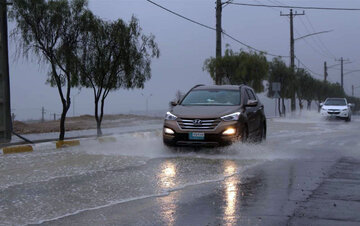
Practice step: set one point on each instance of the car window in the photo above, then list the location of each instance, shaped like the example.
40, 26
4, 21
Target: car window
212, 97
250, 94
335, 102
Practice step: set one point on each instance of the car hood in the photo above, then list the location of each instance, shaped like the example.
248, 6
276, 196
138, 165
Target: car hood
327, 107
203, 112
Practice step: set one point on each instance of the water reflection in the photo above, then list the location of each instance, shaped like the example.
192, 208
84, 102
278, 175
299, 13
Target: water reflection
231, 193
168, 207
167, 180
167, 175
230, 168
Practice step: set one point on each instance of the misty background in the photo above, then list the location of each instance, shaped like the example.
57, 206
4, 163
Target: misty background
184, 46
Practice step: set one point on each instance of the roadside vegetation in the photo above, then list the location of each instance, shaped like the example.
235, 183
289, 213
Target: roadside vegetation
254, 69
82, 50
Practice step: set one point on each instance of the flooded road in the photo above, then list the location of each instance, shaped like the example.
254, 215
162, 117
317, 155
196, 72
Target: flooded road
138, 181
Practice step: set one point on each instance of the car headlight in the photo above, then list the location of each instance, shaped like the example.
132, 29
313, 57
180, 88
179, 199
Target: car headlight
345, 109
169, 131
231, 117
230, 131
170, 116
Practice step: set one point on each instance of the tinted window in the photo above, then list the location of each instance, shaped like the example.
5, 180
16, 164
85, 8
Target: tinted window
336, 102
212, 97
250, 94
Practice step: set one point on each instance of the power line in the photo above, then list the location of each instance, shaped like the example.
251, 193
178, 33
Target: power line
319, 38
307, 68
352, 71
297, 32
272, 3
214, 29
321, 52
316, 40
294, 7
185, 18
250, 47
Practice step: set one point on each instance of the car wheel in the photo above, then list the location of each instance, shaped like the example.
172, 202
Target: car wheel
244, 134
263, 133
348, 119
169, 144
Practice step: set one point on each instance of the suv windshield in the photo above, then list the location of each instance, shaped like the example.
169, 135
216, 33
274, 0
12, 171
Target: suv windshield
336, 102
212, 97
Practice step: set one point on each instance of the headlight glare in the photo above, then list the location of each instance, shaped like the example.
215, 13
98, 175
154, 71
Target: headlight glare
230, 131
168, 131
170, 116
231, 117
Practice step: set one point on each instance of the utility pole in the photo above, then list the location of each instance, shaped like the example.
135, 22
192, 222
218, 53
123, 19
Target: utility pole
291, 16
5, 112
325, 72
42, 114
218, 39
352, 90
342, 71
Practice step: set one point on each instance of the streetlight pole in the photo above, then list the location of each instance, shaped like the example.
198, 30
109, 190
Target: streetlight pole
147, 102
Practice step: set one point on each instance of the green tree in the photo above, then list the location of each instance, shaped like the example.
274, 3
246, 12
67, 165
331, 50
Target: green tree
113, 55
239, 68
283, 74
305, 89
50, 31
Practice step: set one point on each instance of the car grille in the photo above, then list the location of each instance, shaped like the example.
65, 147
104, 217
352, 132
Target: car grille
200, 124
334, 111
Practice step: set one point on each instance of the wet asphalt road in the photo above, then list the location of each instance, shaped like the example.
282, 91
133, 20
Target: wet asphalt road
306, 173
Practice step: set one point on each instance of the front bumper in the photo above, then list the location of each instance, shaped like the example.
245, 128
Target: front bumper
213, 137
338, 114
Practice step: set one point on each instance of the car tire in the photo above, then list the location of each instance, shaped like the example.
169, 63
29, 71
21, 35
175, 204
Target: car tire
244, 134
263, 132
348, 119
169, 144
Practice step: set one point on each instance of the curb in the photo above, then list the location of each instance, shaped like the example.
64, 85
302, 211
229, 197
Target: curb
106, 139
67, 143
51, 145
74, 141
17, 149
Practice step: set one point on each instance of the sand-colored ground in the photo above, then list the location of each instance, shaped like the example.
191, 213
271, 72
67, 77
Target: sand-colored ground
79, 123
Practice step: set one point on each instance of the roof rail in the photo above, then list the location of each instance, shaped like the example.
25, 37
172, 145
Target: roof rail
197, 86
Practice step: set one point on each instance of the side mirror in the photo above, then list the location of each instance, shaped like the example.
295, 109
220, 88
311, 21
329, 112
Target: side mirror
321, 104
351, 105
173, 103
252, 103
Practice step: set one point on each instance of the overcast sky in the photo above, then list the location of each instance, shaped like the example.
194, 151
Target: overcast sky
184, 47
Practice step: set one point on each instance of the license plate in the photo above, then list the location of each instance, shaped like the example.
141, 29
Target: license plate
196, 136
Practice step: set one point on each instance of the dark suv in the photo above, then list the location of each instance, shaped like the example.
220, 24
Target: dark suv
215, 115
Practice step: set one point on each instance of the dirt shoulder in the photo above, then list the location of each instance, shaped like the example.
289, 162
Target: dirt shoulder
82, 122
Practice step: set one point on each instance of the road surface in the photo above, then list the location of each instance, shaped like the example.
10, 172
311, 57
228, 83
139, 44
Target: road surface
306, 173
